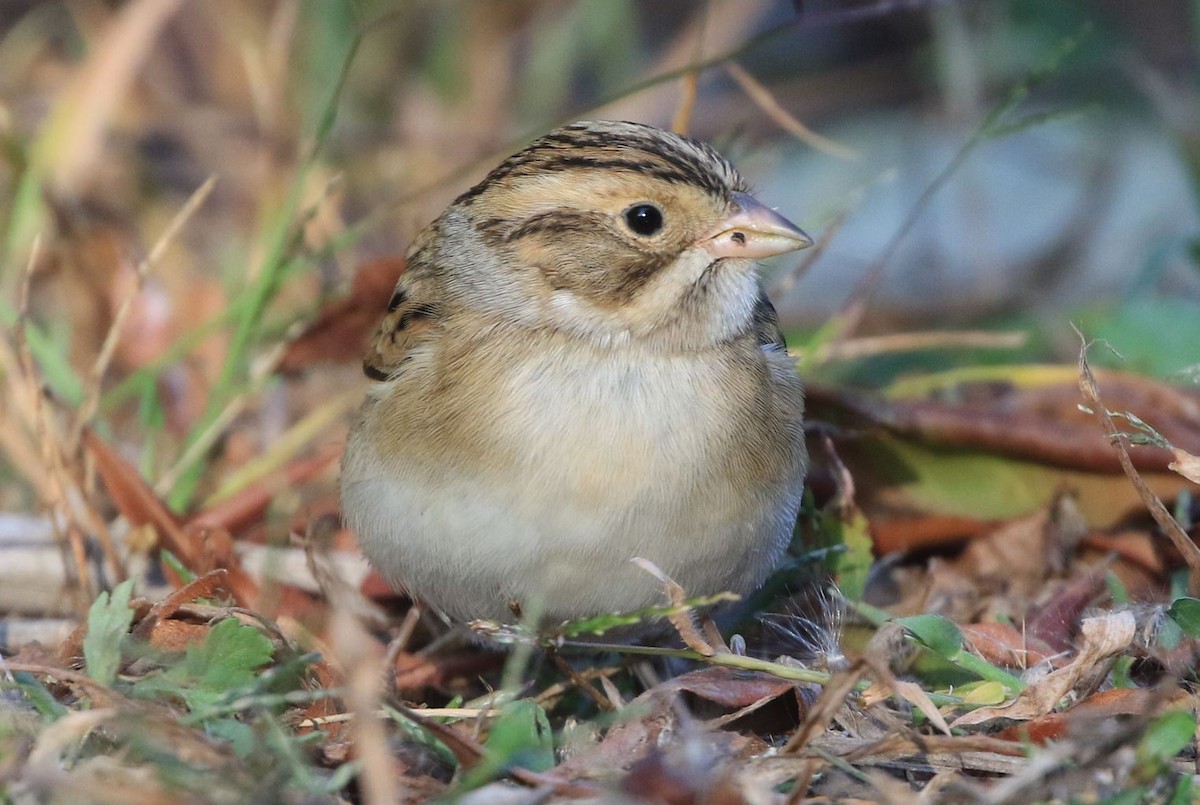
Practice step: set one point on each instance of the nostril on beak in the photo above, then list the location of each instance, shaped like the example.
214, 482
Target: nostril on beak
739, 238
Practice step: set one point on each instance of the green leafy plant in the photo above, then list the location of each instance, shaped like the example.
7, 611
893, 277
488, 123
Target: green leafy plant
942, 637
108, 624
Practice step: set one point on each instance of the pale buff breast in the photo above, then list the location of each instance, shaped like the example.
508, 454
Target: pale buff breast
561, 466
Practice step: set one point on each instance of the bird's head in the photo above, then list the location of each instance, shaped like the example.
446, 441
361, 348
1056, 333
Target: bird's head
614, 231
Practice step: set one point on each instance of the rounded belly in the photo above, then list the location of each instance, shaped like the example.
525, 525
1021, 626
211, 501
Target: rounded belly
576, 470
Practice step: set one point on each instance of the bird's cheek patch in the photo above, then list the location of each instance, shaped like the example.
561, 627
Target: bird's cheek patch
602, 273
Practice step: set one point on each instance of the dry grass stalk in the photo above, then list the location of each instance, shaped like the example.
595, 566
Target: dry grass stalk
232, 410
1179, 538
91, 401
689, 82
548, 697
855, 348
360, 659
765, 101
84, 115
603, 702
20, 449
65, 478
682, 619
822, 712
689, 86
61, 493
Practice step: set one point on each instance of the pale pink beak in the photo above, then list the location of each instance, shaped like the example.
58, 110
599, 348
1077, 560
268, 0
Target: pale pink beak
753, 230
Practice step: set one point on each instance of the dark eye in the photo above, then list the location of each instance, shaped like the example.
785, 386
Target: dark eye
644, 219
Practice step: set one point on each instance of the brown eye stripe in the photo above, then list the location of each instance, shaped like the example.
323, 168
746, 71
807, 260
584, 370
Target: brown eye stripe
557, 221
423, 310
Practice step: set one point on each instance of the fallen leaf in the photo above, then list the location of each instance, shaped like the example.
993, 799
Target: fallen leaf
1017, 557
1001, 644
1103, 637
1053, 622
341, 330
1186, 464
1083, 716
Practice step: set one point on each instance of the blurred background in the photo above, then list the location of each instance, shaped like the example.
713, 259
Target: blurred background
1002, 167
1078, 203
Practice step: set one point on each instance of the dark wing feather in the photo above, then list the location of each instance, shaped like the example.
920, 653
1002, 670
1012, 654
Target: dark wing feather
766, 324
414, 313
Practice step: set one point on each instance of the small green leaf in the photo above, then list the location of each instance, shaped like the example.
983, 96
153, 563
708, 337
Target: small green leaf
229, 656
177, 567
1183, 790
1121, 672
939, 635
1117, 589
168, 685
943, 638
983, 692
42, 700
522, 737
1186, 614
873, 615
240, 736
108, 624
1170, 634
1166, 737
852, 565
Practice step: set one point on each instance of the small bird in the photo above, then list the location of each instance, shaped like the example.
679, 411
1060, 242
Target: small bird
577, 368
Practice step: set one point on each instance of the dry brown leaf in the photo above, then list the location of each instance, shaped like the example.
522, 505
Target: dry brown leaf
912, 693
1053, 621
684, 621
1136, 546
246, 507
1001, 644
342, 329
753, 700
1017, 557
728, 687
200, 549
1103, 637
1186, 464
1042, 423
1098, 706
914, 532
1090, 391
415, 673
138, 502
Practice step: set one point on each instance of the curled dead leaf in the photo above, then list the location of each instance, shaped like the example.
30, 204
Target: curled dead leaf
1103, 637
1186, 464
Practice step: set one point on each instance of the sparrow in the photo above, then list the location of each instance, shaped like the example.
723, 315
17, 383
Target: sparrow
577, 368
